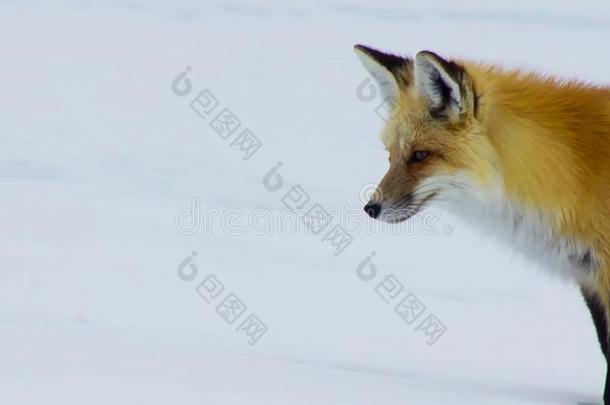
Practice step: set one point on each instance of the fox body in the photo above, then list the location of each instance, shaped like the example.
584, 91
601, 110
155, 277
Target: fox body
524, 156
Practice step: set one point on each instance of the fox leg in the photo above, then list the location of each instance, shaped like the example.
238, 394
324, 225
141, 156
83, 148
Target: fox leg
607, 388
597, 306
598, 313
607, 384
607, 355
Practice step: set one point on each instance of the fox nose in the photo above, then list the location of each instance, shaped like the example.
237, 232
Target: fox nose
372, 209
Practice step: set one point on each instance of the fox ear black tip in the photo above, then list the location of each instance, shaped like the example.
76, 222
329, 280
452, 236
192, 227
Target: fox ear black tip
361, 48
425, 52
428, 54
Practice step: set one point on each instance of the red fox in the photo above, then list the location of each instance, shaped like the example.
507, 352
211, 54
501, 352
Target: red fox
525, 156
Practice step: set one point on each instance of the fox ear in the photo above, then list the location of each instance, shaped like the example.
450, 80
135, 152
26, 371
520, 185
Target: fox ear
444, 84
389, 71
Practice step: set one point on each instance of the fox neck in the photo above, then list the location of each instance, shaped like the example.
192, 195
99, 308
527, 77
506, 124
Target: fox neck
528, 230
538, 197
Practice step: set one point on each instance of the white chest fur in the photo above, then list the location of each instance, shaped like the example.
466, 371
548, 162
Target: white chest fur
527, 231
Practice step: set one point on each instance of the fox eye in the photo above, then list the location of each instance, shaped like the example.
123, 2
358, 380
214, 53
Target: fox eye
419, 156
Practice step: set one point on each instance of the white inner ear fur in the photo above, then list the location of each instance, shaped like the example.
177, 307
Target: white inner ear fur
428, 72
384, 78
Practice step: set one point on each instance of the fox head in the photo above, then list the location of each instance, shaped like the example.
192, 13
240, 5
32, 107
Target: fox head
433, 135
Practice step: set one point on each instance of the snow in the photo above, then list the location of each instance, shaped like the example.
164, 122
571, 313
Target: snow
99, 157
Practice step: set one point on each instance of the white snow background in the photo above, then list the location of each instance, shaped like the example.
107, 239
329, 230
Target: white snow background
98, 156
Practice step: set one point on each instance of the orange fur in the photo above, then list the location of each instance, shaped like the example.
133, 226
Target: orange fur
548, 139
526, 153
552, 142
